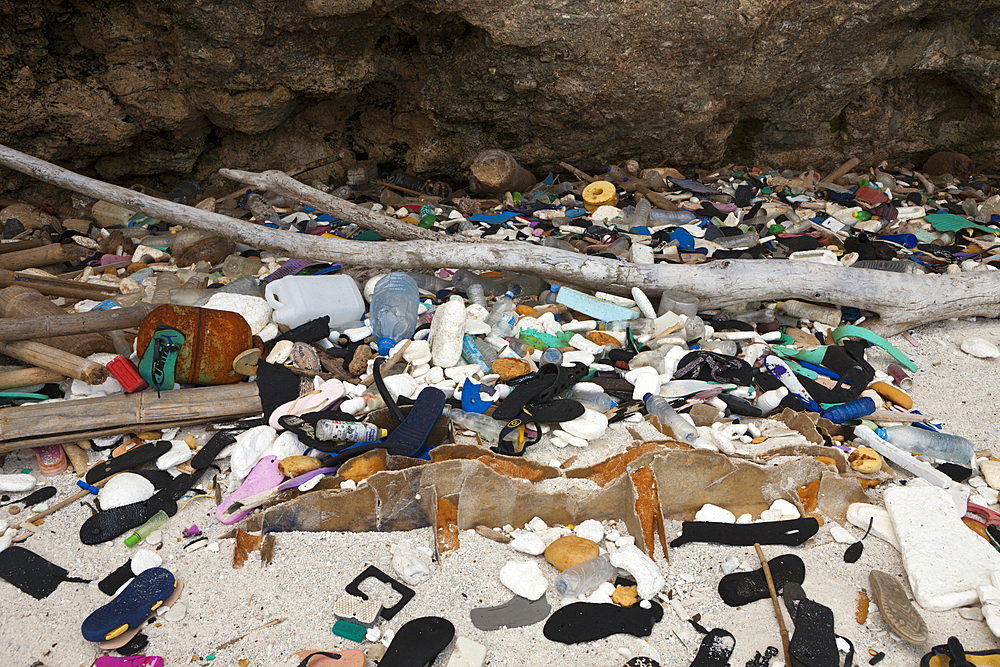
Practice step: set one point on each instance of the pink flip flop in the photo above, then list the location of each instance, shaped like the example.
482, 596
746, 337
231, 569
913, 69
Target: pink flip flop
264, 477
319, 399
130, 661
51, 460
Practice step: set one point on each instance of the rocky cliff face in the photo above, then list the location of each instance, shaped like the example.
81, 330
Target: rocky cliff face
186, 86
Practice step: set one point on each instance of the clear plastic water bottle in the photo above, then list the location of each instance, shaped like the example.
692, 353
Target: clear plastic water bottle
463, 278
586, 576
487, 427
900, 266
694, 328
394, 310
943, 446
472, 354
525, 285
592, 400
662, 217
476, 294
430, 283
549, 296
236, 265
552, 355
683, 430
504, 305
746, 240
640, 218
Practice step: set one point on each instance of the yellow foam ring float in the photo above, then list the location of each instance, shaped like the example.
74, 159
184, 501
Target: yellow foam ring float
599, 193
894, 394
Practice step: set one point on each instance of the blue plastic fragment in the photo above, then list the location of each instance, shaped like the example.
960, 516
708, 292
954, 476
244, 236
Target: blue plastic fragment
493, 219
576, 212
472, 400
683, 238
907, 240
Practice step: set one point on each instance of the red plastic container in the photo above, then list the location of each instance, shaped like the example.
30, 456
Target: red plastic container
127, 374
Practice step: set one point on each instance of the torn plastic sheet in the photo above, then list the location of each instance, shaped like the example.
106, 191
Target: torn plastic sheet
404, 494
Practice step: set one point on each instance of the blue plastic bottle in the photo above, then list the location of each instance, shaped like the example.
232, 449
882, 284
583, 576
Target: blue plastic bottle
393, 310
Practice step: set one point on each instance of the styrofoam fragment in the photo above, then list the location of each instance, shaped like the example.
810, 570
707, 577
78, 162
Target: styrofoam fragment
642, 301
523, 578
569, 438
645, 572
17, 482
590, 530
528, 543
709, 512
254, 309
786, 508
179, 453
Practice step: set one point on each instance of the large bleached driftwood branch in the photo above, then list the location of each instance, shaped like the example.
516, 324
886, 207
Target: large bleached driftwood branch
901, 301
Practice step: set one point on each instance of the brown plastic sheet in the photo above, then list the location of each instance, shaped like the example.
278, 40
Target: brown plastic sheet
407, 494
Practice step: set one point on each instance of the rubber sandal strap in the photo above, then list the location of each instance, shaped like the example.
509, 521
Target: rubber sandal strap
873, 338
384, 392
566, 376
325, 654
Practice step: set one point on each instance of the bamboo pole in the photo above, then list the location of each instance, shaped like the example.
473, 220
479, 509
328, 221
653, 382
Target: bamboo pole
44, 326
56, 360
20, 302
57, 287
25, 377
28, 425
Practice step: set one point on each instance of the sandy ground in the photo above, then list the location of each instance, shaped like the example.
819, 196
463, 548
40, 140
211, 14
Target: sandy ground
310, 569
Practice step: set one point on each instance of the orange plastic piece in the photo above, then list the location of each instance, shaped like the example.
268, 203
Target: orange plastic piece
446, 525
862, 613
808, 496
646, 505
892, 393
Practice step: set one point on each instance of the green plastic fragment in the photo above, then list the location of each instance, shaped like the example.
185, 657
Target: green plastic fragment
210, 656
348, 630
812, 356
541, 340
849, 331
949, 222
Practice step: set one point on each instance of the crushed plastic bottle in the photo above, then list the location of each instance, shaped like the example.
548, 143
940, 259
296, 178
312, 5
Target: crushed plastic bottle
448, 330
943, 446
394, 310
585, 577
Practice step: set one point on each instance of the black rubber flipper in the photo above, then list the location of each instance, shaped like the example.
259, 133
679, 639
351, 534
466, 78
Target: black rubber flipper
310, 332
716, 649
110, 584
409, 437
384, 392
585, 621
522, 394
740, 588
131, 459
790, 533
207, 454
515, 613
814, 643
109, 524
418, 642
31, 573
35, 497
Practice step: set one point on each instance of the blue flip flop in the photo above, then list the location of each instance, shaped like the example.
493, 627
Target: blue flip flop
130, 609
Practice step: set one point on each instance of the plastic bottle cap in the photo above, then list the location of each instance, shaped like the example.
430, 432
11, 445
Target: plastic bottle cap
132, 539
648, 394
385, 345
509, 295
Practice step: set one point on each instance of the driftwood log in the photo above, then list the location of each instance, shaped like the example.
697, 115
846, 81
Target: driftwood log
900, 301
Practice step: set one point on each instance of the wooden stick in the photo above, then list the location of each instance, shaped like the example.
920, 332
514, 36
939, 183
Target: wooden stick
139, 427
774, 600
25, 377
57, 287
834, 175
582, 175
56, 360
40, 256
29, 328
900, 301
19, 245
390, 362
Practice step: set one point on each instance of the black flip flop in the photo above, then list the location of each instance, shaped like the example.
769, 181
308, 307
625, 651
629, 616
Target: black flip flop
418, 642
790, 533
133, 458
814, 642
740, 588
31, 573
304, 428
715, 650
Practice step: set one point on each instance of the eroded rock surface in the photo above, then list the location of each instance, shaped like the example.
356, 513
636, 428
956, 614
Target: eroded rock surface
140, 87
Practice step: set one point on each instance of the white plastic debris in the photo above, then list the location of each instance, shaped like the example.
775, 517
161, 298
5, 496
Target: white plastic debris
645, 572
524, 578
17, 482
124, 489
